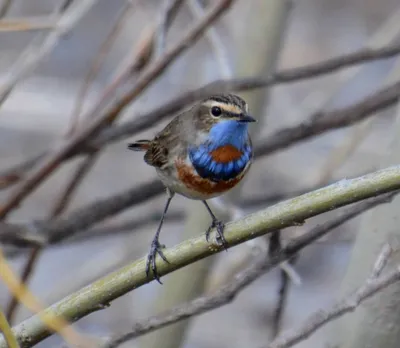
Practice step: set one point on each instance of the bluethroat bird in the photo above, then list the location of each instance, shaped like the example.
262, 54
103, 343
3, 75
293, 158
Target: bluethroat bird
200, 154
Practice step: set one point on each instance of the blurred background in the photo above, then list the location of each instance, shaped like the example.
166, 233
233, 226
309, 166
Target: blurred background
253, 38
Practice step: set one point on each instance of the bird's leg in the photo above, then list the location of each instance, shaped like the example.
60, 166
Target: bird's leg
219, 225
156, 247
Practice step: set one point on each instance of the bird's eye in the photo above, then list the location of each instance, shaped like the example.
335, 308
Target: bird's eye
216, 111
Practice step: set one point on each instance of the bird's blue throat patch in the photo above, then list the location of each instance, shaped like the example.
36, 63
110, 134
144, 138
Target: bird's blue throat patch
225, 154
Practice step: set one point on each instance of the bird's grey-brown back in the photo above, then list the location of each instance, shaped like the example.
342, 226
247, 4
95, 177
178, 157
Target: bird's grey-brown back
172, 140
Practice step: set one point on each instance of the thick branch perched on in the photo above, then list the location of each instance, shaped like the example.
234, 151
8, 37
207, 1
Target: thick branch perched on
98, 294
228, 292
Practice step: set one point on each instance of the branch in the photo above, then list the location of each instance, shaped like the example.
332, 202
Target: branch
27, 24
227, 293
42, 233
99, 294
349, 304
4, 7
7, 332
32, 58
166, 17
321, 122
97, 123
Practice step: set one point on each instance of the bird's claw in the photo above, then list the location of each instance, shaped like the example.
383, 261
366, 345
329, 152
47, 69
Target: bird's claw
219, 225
156, 248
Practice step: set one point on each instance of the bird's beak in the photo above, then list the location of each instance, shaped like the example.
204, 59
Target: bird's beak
246, 118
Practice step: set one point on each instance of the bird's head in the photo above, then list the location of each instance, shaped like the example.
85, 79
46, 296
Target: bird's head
224, 118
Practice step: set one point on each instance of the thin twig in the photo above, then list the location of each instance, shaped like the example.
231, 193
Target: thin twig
33, 258
5, 329
144, 50
32, 58
61, 204
167, 15
215, 41
320, 122
228, 292
4, 7
275, 246
27, 24
348, 304
52, 322
381, 261
95, 125
98, 61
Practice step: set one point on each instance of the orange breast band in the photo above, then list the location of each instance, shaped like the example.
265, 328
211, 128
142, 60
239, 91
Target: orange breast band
205, 186
226, 154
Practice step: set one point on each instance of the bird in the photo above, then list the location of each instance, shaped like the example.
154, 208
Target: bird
201, 154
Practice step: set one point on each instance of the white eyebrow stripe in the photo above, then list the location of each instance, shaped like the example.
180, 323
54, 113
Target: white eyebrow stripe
227, 107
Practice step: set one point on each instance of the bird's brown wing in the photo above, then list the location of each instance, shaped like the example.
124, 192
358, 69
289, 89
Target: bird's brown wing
160, 148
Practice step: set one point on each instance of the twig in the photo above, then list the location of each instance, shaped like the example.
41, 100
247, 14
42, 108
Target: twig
5, 329
215, 41
27, 24
32, 59
4, 7
126, 227
60, 205
55, 231
167, 15
381, 261
98, 294
275, 247
147, 77
346, 305
322, 121
21, 236
148, 120
83, 218
16, 173
105, 48
52, 322
33, 258
228, 292
144, 49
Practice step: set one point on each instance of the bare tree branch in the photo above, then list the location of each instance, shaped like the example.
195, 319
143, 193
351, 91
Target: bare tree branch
321, 122
4, 7
98, 294
168, 14
32, 58
349, 304
27, 24
227, 293
40, 233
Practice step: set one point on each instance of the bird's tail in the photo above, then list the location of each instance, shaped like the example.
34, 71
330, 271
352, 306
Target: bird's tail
140, 145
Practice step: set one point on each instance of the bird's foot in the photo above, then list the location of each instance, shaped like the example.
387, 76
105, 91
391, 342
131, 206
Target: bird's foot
219, 225
156, 248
